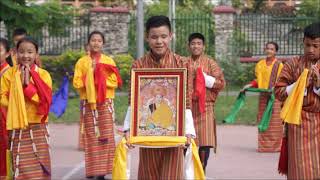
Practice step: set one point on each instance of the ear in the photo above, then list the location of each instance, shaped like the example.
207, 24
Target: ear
188, 46
38, 56
171, 36
146, 36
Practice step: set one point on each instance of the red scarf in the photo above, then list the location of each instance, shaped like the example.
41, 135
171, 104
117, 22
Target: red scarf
3, 68
3, 130
101, 73
44, 93
200, 90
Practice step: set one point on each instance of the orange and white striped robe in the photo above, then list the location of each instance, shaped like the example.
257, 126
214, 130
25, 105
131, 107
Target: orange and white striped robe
161, 163
205, 124
303, 139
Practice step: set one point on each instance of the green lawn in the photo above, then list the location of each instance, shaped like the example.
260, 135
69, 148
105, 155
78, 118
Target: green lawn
246, 116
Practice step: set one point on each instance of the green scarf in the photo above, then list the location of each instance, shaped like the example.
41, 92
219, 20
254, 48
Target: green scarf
265, 120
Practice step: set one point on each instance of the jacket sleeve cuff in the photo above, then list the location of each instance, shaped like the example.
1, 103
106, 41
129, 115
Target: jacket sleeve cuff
289, 89
316, 91
189, 126
126, 124
29, 91
209, 80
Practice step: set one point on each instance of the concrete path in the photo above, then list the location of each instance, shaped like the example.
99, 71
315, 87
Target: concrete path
236, 157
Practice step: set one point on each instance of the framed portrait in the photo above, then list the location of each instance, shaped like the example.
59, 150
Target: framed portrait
158, 103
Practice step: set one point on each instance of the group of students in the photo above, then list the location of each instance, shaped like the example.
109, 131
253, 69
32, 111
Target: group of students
26, 97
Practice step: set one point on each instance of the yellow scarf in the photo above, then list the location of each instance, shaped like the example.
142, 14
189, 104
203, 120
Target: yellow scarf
119, 170
291, 110
90, 88
17, 114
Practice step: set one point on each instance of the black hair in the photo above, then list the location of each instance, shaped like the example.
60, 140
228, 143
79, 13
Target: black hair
19, 31
273, 43
30, 40
196, 36
312, 31
157, 21
96, 32
6, 45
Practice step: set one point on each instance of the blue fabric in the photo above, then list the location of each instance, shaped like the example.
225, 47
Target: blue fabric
60, 98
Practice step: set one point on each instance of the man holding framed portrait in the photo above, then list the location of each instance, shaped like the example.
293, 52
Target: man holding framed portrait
159, 106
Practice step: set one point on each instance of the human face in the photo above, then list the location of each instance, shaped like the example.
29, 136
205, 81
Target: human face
27, 54
17, 38
312, 48
159, 39
3, 53
96, 43
196, 47
270, 50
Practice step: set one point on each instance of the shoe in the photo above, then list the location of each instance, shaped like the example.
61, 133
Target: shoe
100, 178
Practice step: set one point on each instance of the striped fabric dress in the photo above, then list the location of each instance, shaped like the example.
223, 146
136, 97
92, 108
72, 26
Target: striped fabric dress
205, 124
99, 154
81, 128
30, 145
29, 163
269, 140
161, 163
99, 143
303, 139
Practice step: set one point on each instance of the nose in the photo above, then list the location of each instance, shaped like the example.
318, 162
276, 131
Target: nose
158, 40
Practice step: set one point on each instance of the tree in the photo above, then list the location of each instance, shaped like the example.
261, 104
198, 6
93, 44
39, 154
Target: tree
309, 8
18, 13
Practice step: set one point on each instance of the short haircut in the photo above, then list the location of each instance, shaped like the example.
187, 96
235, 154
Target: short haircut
157, 21
312, 31
96, 32
196, 36
19, 32
273, 43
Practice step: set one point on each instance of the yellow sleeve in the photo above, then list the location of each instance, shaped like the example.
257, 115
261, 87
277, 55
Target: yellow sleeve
4, 90
78, 77
112, 81
257, 71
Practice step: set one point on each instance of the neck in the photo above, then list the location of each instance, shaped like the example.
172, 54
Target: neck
271, 58
195, 57
314, 61
157, 57
95, 54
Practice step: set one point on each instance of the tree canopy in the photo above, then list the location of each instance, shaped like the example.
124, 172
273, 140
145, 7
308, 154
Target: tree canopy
31, 16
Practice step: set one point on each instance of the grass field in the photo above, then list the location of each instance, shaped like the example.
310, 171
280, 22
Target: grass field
247, 115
